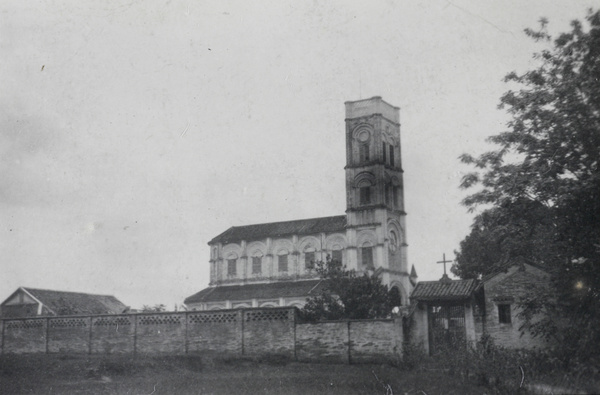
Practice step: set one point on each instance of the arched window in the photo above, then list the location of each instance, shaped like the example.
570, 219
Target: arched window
363, 135
309, 258
257, 264
364, 183
393, 241
336, 255
395, 297
365, 195
366, 256
363, 152
231, 265
282, 261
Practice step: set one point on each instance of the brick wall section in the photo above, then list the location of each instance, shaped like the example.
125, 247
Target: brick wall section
269, 331
161, 333
24, 336
516, 283
69, 334
375, 340
324, 342
219, 331
255, 331
111, 335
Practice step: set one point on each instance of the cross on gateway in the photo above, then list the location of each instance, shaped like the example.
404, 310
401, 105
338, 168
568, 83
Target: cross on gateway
444, 261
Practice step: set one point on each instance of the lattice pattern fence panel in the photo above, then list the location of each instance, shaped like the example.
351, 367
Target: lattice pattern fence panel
267, 315
68, 323
206, 318
112, 321
160, 320
25, 324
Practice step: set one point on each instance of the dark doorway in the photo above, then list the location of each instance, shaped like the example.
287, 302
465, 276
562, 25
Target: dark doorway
446, 327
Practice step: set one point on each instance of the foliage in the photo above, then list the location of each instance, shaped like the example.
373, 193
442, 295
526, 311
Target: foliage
514, 232
157, 308
547, 161
67, 308
348, 295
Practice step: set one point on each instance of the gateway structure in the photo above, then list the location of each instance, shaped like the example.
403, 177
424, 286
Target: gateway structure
272, 264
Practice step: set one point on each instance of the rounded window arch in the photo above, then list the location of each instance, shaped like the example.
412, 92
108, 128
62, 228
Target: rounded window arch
401, 296
363, 132
364, 183
363, 136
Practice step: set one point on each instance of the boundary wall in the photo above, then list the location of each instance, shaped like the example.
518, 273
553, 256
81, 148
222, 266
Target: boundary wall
256, 331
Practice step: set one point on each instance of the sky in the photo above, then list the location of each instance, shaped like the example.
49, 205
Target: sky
133, 132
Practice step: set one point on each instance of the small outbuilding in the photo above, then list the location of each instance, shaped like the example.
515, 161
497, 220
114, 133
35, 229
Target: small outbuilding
443, 314
32, 302
501, 293
451, 314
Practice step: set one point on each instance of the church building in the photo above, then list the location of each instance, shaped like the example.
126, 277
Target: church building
272, 264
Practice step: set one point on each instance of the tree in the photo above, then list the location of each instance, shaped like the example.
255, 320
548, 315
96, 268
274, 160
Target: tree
549, 157
515, 232
157, 308
65, 307
347, 295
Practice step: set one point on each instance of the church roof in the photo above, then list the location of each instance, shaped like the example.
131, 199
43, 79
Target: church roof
444, 290
76, 302
278, 229
281, 289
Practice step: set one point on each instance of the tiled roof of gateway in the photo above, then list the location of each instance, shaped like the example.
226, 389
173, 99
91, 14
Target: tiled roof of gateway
283, 289
285, 228
77, 303
444, 290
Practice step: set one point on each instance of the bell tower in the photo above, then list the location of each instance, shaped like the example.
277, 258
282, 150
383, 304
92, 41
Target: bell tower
375, 187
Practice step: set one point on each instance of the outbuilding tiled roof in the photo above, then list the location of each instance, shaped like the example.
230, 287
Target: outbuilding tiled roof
76, 302
282, 289
444, 290
278, 229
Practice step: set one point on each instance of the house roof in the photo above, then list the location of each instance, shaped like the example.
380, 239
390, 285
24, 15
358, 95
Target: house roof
444, 290
277, 229
282, 289
76, 302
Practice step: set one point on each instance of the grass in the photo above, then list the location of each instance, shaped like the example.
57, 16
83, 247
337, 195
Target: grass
496, 372
121, 374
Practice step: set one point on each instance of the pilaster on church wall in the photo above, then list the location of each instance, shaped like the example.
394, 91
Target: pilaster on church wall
244, 272
268, 265
352, 258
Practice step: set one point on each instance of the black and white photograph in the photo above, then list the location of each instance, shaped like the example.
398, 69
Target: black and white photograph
300, 197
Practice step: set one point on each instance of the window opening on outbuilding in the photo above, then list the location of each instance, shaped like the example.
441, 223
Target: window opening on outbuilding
504, 316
